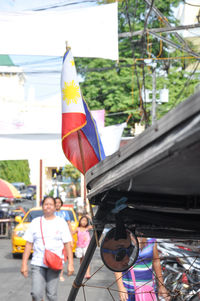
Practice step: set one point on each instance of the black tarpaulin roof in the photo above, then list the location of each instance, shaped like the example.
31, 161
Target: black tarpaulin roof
155, 178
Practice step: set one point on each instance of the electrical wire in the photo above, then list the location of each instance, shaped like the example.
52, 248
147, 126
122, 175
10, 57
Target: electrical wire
44, 60
194, 33
132, 48
65, 5
186, 84
86, 70
143, 111
53, 5
191, 4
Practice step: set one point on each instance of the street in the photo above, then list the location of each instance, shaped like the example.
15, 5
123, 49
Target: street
14, 287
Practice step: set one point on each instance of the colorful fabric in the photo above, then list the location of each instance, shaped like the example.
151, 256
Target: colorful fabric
63, 214
142, 269
83, 238
7, 190
81, 142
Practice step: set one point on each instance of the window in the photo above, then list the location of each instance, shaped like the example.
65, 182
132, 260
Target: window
33, 214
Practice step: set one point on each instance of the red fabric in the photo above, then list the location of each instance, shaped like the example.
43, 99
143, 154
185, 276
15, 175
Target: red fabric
72, 122
7, 190
72, 151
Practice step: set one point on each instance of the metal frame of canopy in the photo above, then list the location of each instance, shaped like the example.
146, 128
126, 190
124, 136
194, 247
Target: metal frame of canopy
152, 182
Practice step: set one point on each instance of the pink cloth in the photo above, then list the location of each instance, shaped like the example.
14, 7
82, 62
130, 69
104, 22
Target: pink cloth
83, 238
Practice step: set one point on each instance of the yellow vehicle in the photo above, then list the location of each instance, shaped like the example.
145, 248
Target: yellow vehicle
18, 243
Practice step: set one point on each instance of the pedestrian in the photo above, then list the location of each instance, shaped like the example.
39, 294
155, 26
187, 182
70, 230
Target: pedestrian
83, 240
62, 213
141, 275
65, 215
56, 234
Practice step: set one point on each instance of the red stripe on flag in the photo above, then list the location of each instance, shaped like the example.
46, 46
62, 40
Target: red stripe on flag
72, 151
72, 122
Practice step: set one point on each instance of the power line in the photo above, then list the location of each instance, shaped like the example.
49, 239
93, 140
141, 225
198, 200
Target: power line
180, 47
186, 84
44, 60
159, 30
64, 5
117, 67
165, 21
191, 4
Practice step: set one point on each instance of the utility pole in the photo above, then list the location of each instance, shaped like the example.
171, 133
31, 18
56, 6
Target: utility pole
153, 110
153, 66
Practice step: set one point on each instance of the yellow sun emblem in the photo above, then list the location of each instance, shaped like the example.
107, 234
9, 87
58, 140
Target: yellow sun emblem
70, 92
72, 63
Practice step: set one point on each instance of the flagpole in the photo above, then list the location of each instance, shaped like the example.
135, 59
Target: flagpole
83, 164
81, 151
84, 189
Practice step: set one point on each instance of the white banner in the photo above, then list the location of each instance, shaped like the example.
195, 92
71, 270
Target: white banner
90, 32
111, 137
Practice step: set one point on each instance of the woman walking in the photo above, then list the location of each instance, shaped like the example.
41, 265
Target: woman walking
56, 234
132, 283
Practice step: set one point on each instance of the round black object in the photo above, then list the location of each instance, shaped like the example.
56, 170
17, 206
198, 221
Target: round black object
119, 254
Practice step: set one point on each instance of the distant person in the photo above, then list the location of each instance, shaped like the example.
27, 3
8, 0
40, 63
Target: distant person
5, 208
65, 215
62, 213
83, 240
56, 234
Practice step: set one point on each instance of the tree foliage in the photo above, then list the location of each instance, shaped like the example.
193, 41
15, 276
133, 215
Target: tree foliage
15, 171
116, 86
74, 174
70, 171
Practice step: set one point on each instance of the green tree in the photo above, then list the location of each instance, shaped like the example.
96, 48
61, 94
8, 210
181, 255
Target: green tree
116, 86
15, 171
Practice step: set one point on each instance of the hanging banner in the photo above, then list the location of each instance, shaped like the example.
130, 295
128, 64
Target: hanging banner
90, 32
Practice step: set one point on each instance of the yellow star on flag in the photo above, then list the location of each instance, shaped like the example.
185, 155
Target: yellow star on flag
71, 92
72, 63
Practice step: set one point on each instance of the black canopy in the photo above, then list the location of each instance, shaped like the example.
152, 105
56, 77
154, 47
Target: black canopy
154, 180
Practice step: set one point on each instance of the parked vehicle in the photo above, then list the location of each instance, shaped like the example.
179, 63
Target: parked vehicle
30, 193
27, 192
181, 270
15, 211
18, 243
32, 189
21, 187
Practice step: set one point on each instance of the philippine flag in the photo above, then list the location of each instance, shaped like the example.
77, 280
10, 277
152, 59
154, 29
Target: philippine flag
80, 138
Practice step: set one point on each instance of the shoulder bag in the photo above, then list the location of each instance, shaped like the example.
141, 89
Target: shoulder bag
52, 260
143, 293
